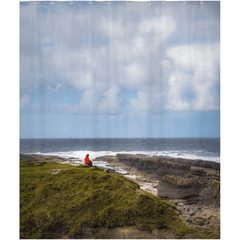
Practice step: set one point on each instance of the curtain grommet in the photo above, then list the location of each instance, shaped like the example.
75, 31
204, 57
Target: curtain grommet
128, 2
51, 2
70, 2
183, 2
90, 2
34, 2
163, 2
201, 2
148, 3
109, 2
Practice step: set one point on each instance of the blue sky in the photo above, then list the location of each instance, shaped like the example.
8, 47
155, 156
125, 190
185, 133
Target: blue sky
119, 70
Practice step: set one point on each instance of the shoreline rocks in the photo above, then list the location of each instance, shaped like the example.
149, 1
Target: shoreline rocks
192, 185
196, 181
42, 158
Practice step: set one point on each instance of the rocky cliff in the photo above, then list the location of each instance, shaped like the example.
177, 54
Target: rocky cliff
193, 185
194, 181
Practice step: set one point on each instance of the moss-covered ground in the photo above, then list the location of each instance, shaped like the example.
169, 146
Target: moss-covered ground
82, 197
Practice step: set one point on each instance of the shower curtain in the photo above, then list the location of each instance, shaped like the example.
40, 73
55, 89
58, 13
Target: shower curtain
119, 69
120, 81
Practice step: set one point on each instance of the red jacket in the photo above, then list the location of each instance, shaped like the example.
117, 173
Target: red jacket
87, 160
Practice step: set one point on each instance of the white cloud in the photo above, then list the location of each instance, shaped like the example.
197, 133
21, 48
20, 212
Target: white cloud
160, 28
111, 102
94, 103
141, 102
59, 85
135, 75
202, 63
179, 85
112, 28
148, 100
110, 53
24, 102
205, 83
188, 82
188, 57
51, 89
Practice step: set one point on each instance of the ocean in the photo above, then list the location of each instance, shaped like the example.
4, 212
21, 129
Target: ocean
190, 148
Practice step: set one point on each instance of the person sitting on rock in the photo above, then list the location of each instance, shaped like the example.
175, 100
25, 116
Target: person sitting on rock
88, 162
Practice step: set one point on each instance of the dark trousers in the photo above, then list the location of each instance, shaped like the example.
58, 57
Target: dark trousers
89, 164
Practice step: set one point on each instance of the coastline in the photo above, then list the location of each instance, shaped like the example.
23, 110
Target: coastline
198, 203
193, 214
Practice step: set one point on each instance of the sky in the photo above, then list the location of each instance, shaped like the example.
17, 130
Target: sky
119, 70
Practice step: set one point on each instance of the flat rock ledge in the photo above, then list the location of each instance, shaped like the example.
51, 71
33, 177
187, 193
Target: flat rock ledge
41, 159
192, 185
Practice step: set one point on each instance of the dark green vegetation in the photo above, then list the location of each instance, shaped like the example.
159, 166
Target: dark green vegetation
80, 198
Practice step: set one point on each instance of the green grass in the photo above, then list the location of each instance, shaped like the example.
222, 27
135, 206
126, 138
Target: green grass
81, 197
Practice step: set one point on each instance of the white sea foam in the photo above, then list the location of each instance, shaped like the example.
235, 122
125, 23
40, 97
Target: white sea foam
80, 155
77, 157
122, 171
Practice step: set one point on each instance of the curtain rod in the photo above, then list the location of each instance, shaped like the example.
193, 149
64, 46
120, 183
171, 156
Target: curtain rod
121, 1
114, 1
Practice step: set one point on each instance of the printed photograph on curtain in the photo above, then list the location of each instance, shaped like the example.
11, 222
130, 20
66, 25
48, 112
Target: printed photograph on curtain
119, 119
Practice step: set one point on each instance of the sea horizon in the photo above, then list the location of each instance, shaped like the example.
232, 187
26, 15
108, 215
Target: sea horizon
189, 148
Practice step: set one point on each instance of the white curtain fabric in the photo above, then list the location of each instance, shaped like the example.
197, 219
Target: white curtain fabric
119, 69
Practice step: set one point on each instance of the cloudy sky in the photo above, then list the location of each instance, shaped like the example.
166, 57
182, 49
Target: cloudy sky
119, 70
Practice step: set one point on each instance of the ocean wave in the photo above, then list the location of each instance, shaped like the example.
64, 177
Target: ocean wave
80, 155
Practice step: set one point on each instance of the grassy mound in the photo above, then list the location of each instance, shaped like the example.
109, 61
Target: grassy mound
80, 198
